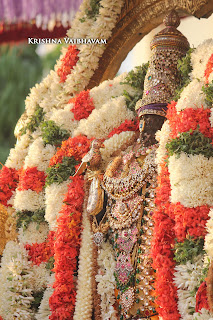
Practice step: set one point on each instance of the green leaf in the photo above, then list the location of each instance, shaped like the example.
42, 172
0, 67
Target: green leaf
93, 11
52, 134
188, 250
185, 68
208, 91
190, 142
61, 171
25, 217
35, 120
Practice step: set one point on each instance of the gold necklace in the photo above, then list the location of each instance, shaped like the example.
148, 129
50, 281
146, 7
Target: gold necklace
124, 188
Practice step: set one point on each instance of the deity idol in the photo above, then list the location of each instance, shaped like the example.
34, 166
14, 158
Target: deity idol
125, 217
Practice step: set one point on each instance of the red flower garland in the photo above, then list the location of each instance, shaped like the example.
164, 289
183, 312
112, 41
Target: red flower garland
41, 252
33, 179
83, 105
201, 298
75, 147
68, 62
67, 246
127, 125
8, 182
161, 252
209, 68
188, 119
190, 221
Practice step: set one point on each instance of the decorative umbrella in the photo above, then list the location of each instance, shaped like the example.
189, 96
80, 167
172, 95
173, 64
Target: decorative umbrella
41, 18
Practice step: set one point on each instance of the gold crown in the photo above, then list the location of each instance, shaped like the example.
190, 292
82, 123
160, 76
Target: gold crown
162, 78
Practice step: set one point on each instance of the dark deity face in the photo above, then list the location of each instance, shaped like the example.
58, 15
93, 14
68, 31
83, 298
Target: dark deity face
148, 126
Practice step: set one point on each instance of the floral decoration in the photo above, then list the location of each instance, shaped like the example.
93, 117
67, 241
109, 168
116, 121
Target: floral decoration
67, 245
162, 254
68, 62
184, 195
33, 179
41, 252
201, 298
9, 178
189, 119
82, 105
127, 125
75, 147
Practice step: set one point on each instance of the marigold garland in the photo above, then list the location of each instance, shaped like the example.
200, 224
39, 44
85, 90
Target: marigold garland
83, 105
67, 247
68, 62
9, 178
189, 119
33, 179
41, 252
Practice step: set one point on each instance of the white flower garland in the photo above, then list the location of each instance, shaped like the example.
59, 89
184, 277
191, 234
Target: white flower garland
16, 291
192, 96
29, 200
108, 89
17, 154
33, 233
89, 55
64, 118
40, 277
44, 309
106, 281
101, 122
191, 180
187, 278
39, 155
203, 314
162, 136
83, 304
200, 57
115, 143
54, 200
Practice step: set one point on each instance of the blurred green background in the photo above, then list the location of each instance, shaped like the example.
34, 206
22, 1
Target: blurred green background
20, 69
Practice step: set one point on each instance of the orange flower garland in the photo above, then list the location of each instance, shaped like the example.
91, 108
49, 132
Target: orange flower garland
9, 178
75, 147
67, 243
190, 221
161, 252
41, 252
33, 179
188, 119
127, 125
83, 105
67, 246
68, 62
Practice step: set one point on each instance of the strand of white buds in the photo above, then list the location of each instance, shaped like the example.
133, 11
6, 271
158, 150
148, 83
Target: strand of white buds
106, 281
83, 304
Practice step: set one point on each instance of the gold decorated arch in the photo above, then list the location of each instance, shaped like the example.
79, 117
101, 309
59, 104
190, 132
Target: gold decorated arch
138, 18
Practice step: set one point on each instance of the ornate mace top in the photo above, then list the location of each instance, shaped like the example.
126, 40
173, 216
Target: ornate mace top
170, 36
162, 78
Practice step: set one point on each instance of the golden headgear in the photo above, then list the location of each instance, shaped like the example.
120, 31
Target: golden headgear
162, 78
